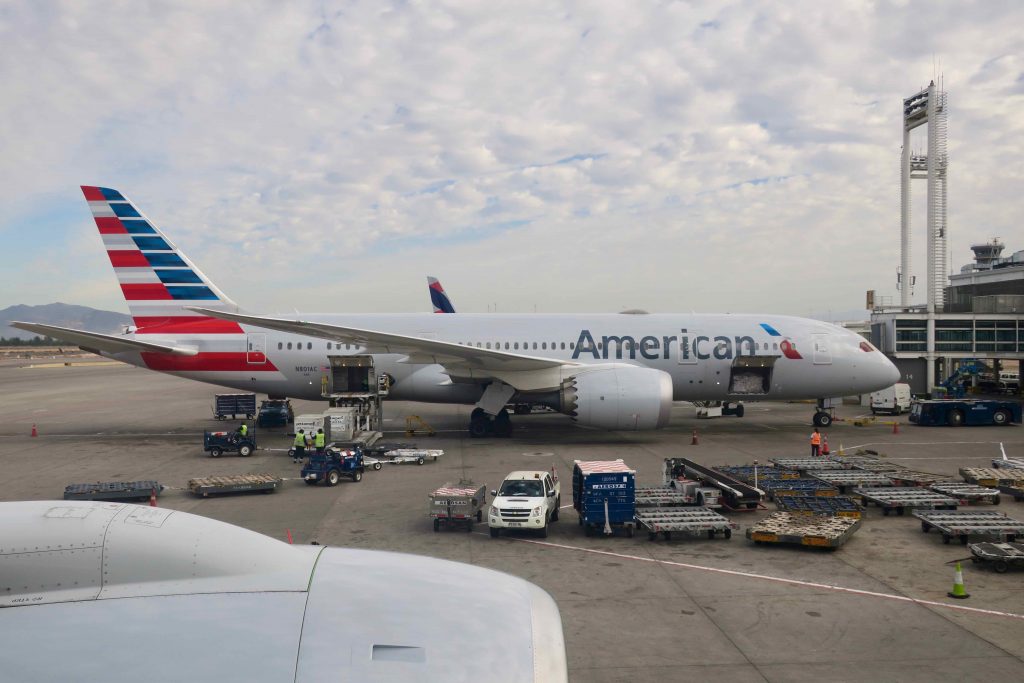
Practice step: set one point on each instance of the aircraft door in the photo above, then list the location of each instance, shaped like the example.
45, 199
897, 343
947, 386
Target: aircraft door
256, 349
822, 352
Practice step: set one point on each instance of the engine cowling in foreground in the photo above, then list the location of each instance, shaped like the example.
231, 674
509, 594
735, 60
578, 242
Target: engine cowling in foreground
618, 397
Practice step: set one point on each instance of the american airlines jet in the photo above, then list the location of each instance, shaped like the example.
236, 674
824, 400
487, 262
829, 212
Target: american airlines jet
613, 371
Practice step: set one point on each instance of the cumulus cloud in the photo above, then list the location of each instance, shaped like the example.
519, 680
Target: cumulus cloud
575, 156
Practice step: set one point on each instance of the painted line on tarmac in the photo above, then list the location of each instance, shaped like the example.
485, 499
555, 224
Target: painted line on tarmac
777, 579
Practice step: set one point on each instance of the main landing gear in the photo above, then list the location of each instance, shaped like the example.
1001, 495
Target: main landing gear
822, 415
481, 424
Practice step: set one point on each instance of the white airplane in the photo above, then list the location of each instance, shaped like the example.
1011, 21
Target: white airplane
610, 371
113, 592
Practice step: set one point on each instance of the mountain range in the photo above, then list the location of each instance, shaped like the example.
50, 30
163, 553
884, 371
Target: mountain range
65, 315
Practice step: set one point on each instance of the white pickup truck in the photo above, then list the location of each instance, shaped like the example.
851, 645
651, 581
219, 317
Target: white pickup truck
526, 500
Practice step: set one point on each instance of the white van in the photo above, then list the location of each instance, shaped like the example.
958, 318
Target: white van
895, 399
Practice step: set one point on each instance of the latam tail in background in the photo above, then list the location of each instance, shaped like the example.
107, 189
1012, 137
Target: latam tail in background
609, 371
438, 297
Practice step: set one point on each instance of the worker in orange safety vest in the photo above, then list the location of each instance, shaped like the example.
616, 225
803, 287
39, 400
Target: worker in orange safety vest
815, 443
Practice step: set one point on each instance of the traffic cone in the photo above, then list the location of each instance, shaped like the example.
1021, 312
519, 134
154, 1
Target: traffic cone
824, 445
958, 591
895, 427
289, 532
34, 431
840, 452
694, 441
152, 498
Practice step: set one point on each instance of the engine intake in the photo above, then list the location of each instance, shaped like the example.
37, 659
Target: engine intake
618, 397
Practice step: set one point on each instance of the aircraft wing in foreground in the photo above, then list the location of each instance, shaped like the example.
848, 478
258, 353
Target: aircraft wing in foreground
117, 592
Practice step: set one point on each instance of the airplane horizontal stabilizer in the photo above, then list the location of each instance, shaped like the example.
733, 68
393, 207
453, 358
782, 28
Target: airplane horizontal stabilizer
96, 342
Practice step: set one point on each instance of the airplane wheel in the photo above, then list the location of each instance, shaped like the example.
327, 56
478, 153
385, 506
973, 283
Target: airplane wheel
822, 419
478, 427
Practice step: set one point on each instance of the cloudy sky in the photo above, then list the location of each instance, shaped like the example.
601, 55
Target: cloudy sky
581, 156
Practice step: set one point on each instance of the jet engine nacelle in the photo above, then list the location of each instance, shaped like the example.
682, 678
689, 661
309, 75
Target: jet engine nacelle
618, 397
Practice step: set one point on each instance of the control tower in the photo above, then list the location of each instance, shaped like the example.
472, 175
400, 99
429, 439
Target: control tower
927, 107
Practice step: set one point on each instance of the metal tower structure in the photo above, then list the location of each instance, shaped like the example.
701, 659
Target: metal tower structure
926, 107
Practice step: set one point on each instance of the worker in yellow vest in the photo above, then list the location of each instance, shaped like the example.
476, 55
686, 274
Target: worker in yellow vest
320, 440
299, 446
815, 443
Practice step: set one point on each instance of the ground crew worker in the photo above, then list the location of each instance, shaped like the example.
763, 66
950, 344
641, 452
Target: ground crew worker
243, 430
320, 440
815, 443
299, 446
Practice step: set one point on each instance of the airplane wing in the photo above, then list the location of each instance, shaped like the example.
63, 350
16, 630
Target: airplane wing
417, 349
95, 342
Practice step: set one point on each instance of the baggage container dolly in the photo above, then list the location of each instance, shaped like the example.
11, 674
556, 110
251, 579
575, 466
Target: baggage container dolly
990, 476
847, 479
112, 490
1001, 556
961, 524
900, 498
693, 521
834, 506
972, 493
457, 505
915, 478
798, 487
1017, 492
816, 531
604, 496
1008, 463
746, 472
805, 464
239, 483
882, 466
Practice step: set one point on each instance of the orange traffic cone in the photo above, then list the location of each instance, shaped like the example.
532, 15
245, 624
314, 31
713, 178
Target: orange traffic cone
895, 427
824, 445
289, 532
152, 498
34, 432
695, 441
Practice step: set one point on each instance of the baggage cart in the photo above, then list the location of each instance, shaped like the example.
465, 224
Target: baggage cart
835, 506
849, 479
901, 498
1017, 492
972, 493
735, 493
238, 483
604, 496
990, 476
816, 531
1001, 556
1008, 463
961, 524
234, 405
112, 490
400, 456
915, 478
457, 505
694, 521
805, 464
746, 473
878, 466
798, 487
660, 496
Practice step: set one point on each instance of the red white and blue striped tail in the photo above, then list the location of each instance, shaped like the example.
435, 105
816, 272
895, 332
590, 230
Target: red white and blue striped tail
438, 297
157, 279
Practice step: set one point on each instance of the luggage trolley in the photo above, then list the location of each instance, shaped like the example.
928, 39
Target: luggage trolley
457, 504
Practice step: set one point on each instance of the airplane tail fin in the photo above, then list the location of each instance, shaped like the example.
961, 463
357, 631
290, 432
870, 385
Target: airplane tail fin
158, 281
442, 304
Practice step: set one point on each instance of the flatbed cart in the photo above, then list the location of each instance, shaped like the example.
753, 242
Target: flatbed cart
458, 504
816, 531
849, 479
747, 472
990, 476
961, 524
972, 493
805, 464
112, 490
692, 521
1017, 492
915, 478
878, 466
1001, 556
735, 493
798, 487
834, 506
401, 456
901, 498
1008, 463
239, 483
660, 496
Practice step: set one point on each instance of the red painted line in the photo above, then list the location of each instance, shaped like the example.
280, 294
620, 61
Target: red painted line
92, 194
146, 292
777, 579
127, 258
110, 225
185, 325
209, 361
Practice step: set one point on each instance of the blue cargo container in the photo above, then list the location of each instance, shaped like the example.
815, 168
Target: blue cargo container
967, 412
604, 495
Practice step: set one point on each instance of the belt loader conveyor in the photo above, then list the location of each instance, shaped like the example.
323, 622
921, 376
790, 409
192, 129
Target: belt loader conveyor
693, 521
899, 498
962, 523
735, 493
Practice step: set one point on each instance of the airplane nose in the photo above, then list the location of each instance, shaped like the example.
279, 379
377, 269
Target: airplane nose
890, 371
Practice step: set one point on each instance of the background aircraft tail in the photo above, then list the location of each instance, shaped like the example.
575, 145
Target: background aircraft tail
442, 304
157, 279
